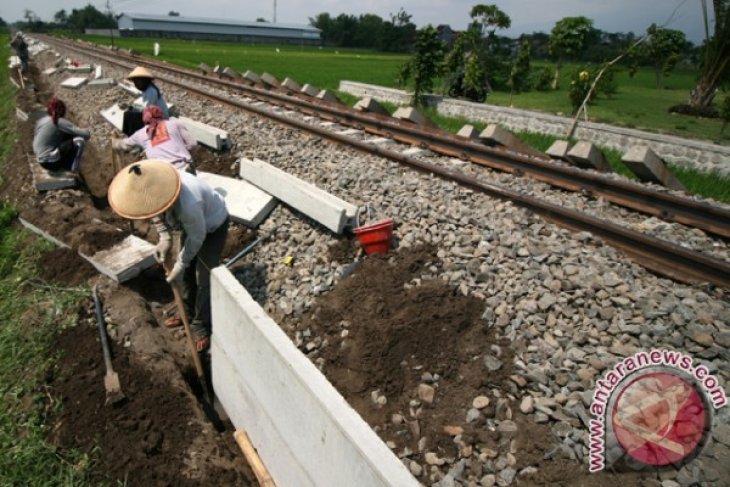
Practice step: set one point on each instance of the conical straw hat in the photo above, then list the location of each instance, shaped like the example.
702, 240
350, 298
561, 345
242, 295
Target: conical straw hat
144, 189
140, 72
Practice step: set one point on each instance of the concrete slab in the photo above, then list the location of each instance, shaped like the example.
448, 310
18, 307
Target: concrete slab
50, 180
310, 90
648, 166
114, 115
204, 68
98, 72
586, 155
246, 203
82, 68
370, 105
42, 233
327, 209
251, 76
129, 88
290, 84
102, 84
468, 132
231, 73
270, 80
559, 150
410, 114
304, 431
124, 261
74, 83
328, 95
494, 135
50, 71
205, 134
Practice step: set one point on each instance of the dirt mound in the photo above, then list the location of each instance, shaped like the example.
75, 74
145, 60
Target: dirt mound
65, 266
142, 440
215, 162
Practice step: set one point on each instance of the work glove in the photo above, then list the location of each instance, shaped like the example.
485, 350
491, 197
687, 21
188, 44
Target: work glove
176, 274
161, 249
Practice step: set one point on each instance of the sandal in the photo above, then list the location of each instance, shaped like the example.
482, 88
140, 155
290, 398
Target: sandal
173, 322
202, 344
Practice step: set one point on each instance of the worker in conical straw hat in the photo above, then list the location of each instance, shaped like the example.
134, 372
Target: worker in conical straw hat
151, 94
152, 188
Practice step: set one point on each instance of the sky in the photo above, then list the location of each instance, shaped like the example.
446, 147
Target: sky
527, 15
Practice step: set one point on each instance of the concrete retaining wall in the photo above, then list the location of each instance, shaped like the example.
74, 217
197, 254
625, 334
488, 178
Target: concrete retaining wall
687, 152
303, 429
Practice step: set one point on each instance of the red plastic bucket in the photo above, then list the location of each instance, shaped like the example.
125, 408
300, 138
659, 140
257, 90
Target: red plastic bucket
375, 238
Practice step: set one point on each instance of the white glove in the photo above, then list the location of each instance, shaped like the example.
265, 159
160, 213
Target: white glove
161, 249
176, 274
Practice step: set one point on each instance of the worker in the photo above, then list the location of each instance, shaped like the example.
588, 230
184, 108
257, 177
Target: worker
167, 140
151, 95
152, 188
21, 50
58, 144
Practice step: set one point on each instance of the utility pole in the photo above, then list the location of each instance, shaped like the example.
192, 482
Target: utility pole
111, 15
274, 11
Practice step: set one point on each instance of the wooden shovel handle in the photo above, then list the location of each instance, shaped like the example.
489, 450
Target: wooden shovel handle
184, 316
252, 456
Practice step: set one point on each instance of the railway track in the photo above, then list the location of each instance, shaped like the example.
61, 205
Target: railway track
655, 254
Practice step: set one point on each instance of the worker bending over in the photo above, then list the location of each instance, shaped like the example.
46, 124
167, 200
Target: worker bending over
21, 50
150, 188
167, 140
58, 144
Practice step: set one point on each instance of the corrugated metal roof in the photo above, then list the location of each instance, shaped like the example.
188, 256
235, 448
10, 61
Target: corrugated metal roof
206, 20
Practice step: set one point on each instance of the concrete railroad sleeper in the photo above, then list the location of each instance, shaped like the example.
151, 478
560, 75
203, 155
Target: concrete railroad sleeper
712, 219
657, 255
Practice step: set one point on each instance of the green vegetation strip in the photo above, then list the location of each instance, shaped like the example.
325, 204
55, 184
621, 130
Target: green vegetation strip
31, 313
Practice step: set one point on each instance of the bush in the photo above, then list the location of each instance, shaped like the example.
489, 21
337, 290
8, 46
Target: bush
580, 84
544, 80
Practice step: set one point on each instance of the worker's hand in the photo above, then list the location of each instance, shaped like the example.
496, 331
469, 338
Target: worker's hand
161, 249
176, 274
116, 143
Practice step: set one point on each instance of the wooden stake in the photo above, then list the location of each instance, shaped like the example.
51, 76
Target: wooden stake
252, 456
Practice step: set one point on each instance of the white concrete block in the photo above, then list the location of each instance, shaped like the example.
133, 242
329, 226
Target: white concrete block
559, 150
327, 209
648, 166
328, 95
82, 68
98, 72
410, 114
205, 134
586, 155
50, 71
495, 135
74, 83
251, 76
231, 73
114, 115
310, 90
104, 83
125, 260
204, 68
468, 132
303, 429
42, 233
370, 105
290, 84
246, 203
44, 180
270, 80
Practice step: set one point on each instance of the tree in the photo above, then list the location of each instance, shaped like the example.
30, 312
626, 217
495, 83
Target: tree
519, 78
425, 64
3, 24
715, 68
90, 18
61, 17
399, 33
662, 49
490, 18
568, 40
172, 13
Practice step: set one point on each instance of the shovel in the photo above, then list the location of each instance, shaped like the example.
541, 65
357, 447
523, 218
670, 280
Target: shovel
114, 392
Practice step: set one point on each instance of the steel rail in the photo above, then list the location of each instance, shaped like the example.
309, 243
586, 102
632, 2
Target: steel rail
657, 255
712, 219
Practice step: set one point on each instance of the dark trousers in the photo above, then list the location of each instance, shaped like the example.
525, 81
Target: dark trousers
68, 153
196, 280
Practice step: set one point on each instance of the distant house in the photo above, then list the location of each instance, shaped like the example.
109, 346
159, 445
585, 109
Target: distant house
446, 34
166, 26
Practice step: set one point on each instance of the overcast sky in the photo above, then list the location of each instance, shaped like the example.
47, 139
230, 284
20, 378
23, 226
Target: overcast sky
527, 15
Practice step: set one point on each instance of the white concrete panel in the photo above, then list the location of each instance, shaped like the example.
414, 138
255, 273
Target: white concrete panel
115, 116
246, 203
74, 83
125, 260
44, 180
303, 429
317, 204
205, 134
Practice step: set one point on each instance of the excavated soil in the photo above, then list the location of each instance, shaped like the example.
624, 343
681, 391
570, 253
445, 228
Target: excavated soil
65, 266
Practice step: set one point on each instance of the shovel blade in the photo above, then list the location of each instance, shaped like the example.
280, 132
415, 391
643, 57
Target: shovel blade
114, 392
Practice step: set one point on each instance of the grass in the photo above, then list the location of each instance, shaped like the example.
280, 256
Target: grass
30, 315
637, 104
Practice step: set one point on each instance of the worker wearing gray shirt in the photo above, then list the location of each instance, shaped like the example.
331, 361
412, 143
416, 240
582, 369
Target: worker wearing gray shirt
58, 144
152, 188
